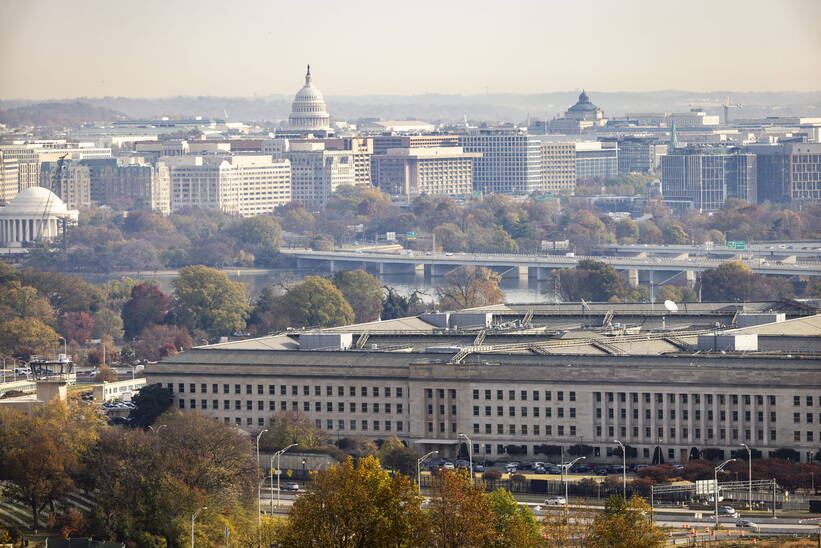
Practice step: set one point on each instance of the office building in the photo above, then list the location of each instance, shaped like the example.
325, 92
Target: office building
72, 182
706, 177
238, 185
382, 143
316, 172
378, 127
681, 387
308, 111
9, 183
436, 171
788, 172
361, 148
638, 154
596, 160
558, 167
511, 161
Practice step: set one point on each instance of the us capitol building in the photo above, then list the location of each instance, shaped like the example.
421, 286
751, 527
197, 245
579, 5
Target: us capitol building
712, 375
308, 111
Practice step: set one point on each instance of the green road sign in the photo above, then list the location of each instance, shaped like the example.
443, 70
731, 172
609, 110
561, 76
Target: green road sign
410, 235
737, 245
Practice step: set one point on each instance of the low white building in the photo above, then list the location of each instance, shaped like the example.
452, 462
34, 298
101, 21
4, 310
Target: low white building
34, 215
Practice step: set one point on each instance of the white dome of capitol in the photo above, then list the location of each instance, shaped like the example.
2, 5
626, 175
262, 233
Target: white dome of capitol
308, 111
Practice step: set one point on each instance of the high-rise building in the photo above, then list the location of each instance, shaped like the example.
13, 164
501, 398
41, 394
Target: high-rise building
9, 183
361, 148
511, 161
706, 177
316, 172
435, 171
239, 185
381, 143
558, 167
308, 112
596, 160
638, 154
788, 172
71, 183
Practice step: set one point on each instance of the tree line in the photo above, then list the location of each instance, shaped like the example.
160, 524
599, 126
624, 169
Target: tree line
108, 240
147, 483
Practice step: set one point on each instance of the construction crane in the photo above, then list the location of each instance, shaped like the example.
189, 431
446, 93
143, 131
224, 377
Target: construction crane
56, 189
726, 105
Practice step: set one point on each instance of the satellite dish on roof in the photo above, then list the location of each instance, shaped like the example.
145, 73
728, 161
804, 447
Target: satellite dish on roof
671, 306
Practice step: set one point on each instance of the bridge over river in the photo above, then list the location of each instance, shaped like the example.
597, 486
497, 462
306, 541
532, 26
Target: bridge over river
638, 269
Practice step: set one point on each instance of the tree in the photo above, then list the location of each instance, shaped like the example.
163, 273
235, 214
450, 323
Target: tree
158, 341
733, 281
23, 338
289, 427
362, 291
316, 302
42, 451
395, 455
107, 323
105, 374
459, 512
259, 230
65, 293
76, 326
206, 299
676, 293
395, 305
469, 287
356, 506
516, 526
147, 306
17, 301
150, 402
624, 524
675, 234
591, 280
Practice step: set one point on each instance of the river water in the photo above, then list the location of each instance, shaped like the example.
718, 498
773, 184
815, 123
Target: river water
516, 290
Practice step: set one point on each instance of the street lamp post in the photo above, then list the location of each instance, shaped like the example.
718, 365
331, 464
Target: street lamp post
279, 471
65, 345
470, 455
193, 518
623, 469
565, 469
419, 462
749, 476
715, 489
259, 487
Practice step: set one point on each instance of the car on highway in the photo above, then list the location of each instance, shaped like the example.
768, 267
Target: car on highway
290, 486
727, 511
746, 523
555, 501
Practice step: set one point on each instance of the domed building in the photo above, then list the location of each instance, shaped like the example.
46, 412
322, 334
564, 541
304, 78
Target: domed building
33, 215
308, 111
582, 116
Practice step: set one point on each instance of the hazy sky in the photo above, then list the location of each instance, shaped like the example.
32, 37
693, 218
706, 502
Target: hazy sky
149, 48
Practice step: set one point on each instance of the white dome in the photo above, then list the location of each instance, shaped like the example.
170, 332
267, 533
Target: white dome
308, 111
36, 200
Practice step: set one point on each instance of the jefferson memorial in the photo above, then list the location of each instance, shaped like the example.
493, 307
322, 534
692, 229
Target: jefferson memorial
32, 216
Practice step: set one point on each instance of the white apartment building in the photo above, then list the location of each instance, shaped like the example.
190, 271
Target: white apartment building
9, 183
239, 185
316, 172
510, 161
558, 167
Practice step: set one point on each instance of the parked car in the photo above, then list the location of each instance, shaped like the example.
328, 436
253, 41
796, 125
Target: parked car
461, 463
290, 486
746, 523
512, 466
554, 501
526, 466
554, 470
447, 465
539, 470
478, 468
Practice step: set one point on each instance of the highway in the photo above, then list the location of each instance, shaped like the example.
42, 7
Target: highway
503, 260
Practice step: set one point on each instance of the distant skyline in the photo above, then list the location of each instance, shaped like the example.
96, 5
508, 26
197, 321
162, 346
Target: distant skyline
153, 48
